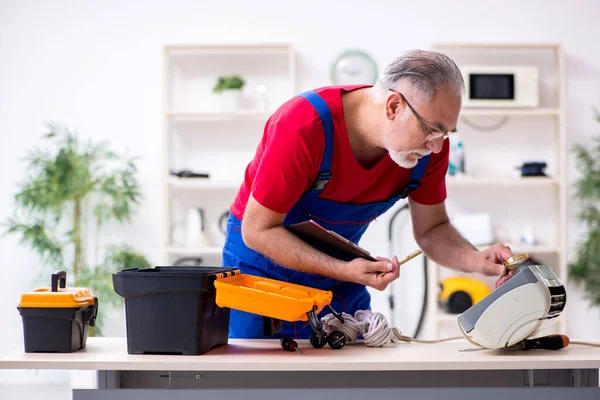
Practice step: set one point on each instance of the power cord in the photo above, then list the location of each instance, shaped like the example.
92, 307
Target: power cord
391, 286
584, 343
494, 127
374, 328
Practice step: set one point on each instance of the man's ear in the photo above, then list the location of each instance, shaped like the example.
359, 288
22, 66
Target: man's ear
393, 106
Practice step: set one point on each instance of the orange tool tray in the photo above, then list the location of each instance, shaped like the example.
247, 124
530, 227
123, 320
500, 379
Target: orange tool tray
270, 297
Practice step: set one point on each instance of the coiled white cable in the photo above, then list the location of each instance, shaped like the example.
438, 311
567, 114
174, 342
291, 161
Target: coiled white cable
373, 327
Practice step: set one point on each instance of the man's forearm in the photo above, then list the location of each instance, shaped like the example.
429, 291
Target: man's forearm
288, 250
447, 247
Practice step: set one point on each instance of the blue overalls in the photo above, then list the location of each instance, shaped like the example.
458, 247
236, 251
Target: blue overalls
348, 220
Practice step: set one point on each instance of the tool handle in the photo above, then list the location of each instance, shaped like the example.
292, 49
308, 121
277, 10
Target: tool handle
59, 277
551, 342
410, 256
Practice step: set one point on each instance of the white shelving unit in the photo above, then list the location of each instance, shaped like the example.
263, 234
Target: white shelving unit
493, 185
200, 135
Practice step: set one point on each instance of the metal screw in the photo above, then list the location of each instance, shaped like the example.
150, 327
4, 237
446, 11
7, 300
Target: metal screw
198, 376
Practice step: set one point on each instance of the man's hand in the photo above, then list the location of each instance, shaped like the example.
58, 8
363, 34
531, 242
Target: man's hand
505, 277
492, 260
493, 263
376, 274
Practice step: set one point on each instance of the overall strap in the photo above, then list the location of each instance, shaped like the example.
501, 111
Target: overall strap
415, 177
325, 114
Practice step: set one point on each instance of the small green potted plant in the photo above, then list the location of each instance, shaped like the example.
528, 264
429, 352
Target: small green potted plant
229, 88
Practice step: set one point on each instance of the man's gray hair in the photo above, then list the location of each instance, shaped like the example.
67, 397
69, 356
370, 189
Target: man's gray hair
424, 72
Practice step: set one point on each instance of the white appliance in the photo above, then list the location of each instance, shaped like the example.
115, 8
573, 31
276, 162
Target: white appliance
527, 303
195, 236
475, 227
515, 86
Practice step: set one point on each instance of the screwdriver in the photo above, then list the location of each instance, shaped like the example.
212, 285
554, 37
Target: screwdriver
551, 342
406, 259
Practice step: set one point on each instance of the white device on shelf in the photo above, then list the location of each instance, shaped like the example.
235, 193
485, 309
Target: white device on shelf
475, 227
501, 86
527, 303
195, 236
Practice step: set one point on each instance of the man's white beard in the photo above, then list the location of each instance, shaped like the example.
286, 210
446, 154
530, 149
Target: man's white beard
402, 157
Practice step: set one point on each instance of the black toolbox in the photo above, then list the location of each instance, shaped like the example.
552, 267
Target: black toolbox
57, 319
172, 309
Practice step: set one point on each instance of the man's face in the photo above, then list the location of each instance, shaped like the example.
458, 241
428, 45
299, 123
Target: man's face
414, 133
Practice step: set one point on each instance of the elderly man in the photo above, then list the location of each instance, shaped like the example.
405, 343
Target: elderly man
342, 156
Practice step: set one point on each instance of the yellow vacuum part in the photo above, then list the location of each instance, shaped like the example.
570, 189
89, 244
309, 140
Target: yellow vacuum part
473, 287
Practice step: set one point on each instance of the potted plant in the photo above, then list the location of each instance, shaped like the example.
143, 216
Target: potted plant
586, 268
71, 191
229, 87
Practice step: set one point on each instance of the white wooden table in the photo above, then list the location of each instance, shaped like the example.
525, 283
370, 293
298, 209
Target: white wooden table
260, 369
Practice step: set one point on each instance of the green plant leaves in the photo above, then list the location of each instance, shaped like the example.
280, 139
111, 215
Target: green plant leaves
99, 278
118, 193
586, 268
67, 178
229, 82
40, 238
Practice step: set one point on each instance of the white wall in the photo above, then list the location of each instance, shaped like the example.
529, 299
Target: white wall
96, 66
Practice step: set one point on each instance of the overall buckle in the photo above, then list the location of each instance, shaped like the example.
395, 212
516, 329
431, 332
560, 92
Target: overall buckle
411, 187
321, 181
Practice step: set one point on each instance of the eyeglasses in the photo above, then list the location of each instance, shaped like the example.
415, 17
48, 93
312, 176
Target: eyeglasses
432, 134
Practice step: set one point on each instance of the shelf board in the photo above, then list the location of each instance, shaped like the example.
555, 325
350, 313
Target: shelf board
466, 181
548, 111
498, 45
211, 250
229, 49
534, 249
202, 183
530, 249
245, 115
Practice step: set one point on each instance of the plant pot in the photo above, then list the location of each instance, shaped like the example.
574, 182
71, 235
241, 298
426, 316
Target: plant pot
231, 100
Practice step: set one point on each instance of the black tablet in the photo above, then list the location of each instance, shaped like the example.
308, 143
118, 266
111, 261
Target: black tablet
328, 241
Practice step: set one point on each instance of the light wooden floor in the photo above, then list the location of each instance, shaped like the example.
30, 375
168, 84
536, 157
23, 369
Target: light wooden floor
36, 392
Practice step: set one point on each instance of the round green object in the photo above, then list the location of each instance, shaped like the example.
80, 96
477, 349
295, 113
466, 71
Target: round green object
354, 67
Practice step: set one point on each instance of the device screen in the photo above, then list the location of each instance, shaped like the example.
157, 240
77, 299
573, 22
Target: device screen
492, 86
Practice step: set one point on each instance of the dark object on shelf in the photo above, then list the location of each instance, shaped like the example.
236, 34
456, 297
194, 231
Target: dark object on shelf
188, 261
172, 310
186, 173
533, 169
57, 319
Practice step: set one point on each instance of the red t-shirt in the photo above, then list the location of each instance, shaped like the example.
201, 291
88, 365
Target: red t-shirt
288, 158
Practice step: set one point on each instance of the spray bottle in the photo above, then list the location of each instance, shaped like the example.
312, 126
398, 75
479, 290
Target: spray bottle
456, 165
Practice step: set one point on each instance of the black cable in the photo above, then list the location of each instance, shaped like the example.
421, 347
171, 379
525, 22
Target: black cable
425, 275
425, 294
